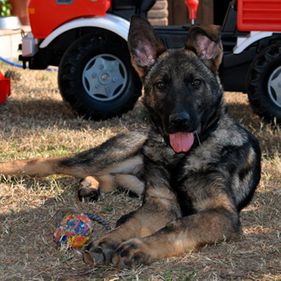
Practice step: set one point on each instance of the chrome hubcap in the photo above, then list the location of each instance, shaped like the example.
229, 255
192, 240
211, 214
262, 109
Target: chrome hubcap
104, 77
274, 86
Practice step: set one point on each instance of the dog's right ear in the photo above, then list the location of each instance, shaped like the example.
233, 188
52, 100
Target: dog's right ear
144, 46
206, 42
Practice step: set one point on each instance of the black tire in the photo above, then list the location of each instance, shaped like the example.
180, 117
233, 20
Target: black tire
87, 73
264, 82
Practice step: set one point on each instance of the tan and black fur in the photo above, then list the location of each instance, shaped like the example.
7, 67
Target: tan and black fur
191, 197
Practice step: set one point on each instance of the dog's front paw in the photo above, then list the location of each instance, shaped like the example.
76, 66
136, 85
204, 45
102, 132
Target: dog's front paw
100, 254
89, 189
132, 253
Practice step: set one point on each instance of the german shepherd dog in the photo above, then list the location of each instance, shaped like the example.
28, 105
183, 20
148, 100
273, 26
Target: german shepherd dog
196, 167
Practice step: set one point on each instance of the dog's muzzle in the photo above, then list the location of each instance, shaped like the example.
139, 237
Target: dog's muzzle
180, 122
181, 136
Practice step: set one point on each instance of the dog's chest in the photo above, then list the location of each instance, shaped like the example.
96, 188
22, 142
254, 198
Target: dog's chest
159, 152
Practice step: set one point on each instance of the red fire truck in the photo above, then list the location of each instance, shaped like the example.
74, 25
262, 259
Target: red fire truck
86, 39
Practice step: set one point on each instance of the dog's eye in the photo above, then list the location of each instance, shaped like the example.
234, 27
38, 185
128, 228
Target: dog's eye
161, 85
196, 83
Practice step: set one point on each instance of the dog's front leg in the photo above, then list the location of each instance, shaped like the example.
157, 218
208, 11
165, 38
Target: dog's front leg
178, 237
214, 218
159, 207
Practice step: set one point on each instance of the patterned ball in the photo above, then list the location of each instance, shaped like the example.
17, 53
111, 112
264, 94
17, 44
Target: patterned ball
74, 230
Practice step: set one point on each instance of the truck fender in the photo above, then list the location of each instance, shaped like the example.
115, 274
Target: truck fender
245, 41
109, 22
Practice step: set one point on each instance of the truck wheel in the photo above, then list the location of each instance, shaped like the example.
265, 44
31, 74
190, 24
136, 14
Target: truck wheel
264, 83
96, 78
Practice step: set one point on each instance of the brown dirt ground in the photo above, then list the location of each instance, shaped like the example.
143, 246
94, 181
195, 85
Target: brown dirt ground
36, 123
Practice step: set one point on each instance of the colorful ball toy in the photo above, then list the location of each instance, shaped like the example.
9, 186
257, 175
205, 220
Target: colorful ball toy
74, 230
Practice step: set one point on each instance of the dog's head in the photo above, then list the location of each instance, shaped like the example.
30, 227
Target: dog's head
181, 86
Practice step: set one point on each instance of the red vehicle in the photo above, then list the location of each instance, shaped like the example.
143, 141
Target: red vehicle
86, 39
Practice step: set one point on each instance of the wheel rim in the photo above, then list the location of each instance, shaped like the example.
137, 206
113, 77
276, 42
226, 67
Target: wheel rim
104, 77
274, 86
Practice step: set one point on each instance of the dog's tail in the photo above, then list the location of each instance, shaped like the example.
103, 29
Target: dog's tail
33, 167
116, 150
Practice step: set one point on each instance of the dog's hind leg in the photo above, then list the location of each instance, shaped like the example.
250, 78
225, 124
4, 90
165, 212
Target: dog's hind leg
130, 183
90, 187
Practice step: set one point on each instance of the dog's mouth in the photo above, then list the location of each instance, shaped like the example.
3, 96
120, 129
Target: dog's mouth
181, 141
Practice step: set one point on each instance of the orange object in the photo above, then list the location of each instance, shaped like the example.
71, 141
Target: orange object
192, 6
5, 88
259, 15
47, 15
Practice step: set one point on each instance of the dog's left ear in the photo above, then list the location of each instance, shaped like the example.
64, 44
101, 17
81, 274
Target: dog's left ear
206, 42
144, 46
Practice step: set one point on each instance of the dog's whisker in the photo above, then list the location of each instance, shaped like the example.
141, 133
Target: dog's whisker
198, 138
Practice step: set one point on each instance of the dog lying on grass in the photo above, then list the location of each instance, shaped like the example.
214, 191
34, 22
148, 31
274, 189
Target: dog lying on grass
196, 167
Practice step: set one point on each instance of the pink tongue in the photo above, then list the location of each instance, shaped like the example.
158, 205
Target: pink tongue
181, 142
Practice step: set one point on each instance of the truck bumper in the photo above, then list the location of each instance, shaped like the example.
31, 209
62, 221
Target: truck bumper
31, 56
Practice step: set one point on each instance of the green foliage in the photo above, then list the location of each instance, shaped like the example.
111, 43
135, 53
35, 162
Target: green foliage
5, 8
190, 277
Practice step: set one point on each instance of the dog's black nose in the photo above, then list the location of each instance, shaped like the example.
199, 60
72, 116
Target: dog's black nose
179, 121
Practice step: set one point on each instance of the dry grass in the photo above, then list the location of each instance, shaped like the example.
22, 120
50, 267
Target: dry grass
35, 123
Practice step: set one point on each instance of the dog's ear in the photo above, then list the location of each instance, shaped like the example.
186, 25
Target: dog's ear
144, 46
206, 42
